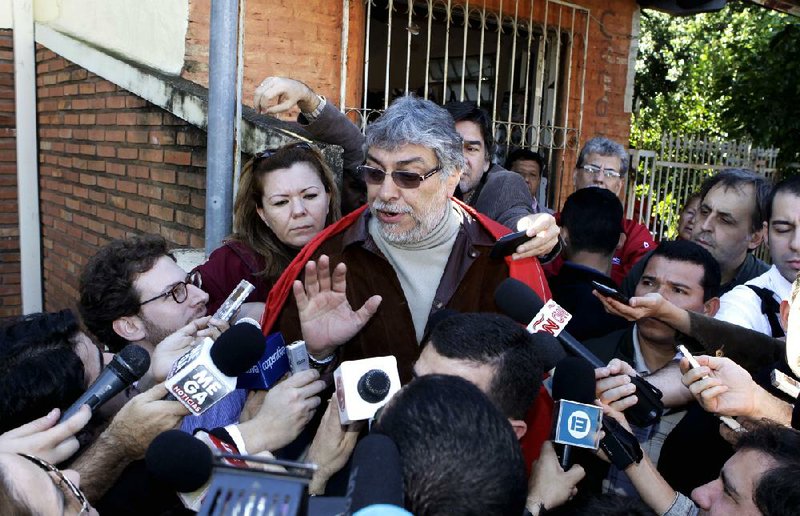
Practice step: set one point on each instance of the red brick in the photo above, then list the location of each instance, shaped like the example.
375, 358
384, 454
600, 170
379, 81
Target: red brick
97, 165
115, 102
176, 196
155, 155
88, 179
117, 169
106, 151
163, 176
138, 171
137, 206
177, 157
126, 118
99, 197
190, 219
126, 186
154, 118
125, 219
191, 179
152, 192
127, 153
136, 136
114, 135
106, 182
117, 201
161, 212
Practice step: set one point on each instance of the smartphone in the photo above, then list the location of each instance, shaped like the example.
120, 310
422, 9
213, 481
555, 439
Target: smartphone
613, 293
234, 301
298, 356
729, 421
785, 383
507, 245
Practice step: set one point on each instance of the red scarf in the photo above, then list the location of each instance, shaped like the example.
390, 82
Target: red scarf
527, 270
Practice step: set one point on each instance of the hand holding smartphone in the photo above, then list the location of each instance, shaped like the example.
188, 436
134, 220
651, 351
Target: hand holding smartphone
507, 245
607, 291
729, 421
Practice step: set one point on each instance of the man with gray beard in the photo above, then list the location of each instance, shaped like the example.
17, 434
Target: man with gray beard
412, 252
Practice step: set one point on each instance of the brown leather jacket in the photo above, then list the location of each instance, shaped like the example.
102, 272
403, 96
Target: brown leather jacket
468, 284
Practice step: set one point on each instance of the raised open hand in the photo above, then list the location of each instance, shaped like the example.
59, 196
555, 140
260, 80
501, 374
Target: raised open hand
326, 318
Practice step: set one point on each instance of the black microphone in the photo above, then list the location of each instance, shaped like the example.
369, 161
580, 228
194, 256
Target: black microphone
574, 381
179, 461
376, 475
126, 367
518, 301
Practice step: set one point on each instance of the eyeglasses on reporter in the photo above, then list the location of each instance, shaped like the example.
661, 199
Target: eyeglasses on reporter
401, 178
62, 480
593, 170
180, 290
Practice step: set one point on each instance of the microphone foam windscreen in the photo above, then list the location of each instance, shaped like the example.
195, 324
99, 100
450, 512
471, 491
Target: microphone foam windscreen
574, 381
134, 361
237, 349
517, 300
179, 460
376, 474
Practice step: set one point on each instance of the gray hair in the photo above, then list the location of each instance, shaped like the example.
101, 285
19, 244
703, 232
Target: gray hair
604, 147
414, 121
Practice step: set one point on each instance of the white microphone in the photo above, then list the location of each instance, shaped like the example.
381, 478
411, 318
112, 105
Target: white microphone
364, 386
207, 373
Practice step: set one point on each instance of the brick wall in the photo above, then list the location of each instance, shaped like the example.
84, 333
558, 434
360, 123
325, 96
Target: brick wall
111, 165
285, 38
10, 301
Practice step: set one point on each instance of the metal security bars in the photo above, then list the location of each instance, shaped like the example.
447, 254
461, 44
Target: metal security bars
661, 181
523, 61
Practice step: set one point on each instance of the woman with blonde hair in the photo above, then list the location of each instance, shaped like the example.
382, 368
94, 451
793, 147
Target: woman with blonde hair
286, 196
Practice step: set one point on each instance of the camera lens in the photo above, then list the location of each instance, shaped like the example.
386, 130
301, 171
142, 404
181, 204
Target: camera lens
374, 386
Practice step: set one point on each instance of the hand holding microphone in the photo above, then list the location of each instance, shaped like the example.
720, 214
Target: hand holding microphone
286, 409
126, 367
549, 485
207, 373
522, 304
44, 438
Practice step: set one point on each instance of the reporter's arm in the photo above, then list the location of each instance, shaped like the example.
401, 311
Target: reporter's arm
668, 381
126, 439
651, 486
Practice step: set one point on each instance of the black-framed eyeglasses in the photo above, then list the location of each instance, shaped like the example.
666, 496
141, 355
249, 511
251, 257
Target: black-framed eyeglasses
593, 170
402, 178
179, 291
62, 480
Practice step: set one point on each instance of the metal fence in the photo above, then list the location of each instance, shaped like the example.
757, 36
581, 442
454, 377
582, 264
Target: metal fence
661, 181
528, 75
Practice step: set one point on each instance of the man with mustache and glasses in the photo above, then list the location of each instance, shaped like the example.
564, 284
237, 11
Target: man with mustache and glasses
411, 253
497, 193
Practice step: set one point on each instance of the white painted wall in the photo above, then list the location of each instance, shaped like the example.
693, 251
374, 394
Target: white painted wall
149, 32
6, 19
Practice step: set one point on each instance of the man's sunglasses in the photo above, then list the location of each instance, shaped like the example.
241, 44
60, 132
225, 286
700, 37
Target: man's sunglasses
403, 179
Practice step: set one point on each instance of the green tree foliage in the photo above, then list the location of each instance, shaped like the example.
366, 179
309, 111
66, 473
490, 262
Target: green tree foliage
733, 74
